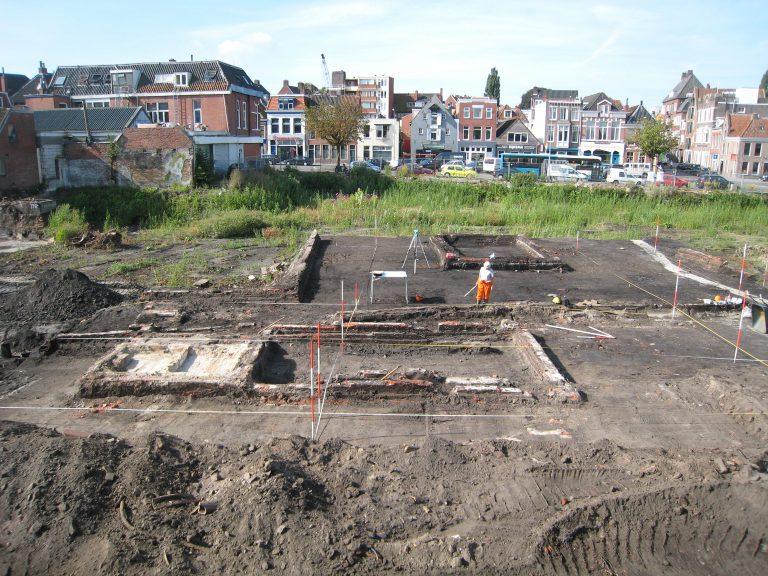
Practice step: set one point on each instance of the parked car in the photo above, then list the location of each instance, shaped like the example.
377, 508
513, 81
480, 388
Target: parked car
764, 177
672, 179
365, 164
270, 159
621, 176
457, 170
297, 161
418, 169
714, 181
380, 162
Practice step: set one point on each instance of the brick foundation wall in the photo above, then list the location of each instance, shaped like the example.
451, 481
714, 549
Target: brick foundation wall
19, 157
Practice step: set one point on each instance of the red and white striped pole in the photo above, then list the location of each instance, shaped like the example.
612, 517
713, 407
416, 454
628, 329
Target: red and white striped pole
677, 285
311, 385
741, 321
743, 266
342, 314
656, 238
319, 386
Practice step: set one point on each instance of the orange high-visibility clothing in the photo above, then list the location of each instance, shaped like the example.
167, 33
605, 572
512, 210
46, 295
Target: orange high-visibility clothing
484, 290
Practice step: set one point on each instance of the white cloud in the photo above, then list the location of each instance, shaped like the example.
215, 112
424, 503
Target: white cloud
243, 45
603, 48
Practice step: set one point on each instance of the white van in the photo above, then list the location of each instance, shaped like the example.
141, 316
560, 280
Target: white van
621, 176
490, 165
641, 169
564, 172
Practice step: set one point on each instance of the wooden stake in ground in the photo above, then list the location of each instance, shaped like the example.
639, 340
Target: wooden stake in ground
741, 322
656, 238
677, 284
577, 241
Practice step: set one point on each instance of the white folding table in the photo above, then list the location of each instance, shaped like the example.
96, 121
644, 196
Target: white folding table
385, 274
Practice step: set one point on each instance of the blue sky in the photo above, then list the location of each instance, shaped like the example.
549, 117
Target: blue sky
634, 50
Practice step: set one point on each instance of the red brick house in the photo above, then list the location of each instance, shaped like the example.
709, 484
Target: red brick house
18, 150
217, 103
477, 127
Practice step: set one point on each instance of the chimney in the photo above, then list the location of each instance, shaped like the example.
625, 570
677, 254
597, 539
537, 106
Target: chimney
441, 94
285, 83
708, 87
755, 116
172, 60
191, 57
416, 95
42, 69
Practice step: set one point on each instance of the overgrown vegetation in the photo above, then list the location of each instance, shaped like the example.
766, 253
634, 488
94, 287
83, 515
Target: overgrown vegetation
66, 224
277, 206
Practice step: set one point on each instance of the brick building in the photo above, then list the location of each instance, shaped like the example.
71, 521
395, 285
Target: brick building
477, 127
18, 151
286, 125
677, 110
745, 145
217, 103
636, 115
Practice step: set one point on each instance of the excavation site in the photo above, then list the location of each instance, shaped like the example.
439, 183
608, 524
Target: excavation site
442, 404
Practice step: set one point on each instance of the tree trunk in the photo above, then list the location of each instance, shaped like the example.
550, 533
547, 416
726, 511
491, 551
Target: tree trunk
338, 156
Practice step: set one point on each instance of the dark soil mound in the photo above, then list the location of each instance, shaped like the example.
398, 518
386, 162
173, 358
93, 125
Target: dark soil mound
59, 295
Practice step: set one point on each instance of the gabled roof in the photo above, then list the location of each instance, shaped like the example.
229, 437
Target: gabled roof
73, 119
519, 126
211, 75
13, 82
638, 113
431, 104
30, 87
747, 126
402, 99
688, 82
592, 101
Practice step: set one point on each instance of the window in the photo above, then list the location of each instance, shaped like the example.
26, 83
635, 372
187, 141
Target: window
421, 131
158, 112
744, 167
97, 104
755, 167
197, 111
275, 128
575, 136
209, 75
487, 132
297, 125
615, 129
367, 131
466, 111
286, 128
553, 113
311, 135
550, 133
477, 112
343, 152
181, 79
477, 133
488, 113
285, 104
602, 130
434, 134
562, 133
382, 130
61, 79
575, 114
517, 137
352, 153
563, 113
237, 109
604, 108
758, 148
746, 148
245, 114
765, 168
465, 133
590, 130
326, 151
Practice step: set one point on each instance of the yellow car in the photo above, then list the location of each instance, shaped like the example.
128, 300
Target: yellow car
457, 171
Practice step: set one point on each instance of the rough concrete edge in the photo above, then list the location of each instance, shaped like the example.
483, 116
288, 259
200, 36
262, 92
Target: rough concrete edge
536, 357
295, 279
531, 247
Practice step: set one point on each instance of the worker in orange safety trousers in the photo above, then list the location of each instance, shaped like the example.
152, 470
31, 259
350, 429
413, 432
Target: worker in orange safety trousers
484, 283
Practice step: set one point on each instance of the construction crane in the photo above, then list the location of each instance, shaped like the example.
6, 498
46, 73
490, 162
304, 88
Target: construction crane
326, 74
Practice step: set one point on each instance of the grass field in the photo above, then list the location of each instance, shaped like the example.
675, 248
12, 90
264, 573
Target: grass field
277, 207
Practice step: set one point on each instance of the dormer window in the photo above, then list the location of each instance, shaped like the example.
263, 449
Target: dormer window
285, 104
209, 75
181, 79
604, 108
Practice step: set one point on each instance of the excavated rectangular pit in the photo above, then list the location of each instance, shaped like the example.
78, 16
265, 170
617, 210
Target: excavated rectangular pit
510, 252
158, 365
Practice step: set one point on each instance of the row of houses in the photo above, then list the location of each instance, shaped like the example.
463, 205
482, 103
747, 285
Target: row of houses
57, 124
722, 129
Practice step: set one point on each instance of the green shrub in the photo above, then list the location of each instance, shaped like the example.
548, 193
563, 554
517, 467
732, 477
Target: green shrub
66, 224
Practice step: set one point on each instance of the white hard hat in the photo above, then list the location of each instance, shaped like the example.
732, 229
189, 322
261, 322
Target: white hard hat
486, 264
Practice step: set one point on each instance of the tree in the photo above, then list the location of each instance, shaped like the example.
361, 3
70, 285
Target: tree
493, 86
764, 81
337, 120
654, 138
525, 99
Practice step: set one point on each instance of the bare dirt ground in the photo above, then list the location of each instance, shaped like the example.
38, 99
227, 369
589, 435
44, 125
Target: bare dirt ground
656, 465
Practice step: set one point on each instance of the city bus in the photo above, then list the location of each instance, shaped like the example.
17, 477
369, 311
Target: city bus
538, 163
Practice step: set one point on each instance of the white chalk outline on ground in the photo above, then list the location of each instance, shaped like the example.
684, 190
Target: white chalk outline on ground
561, 432
672, 267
